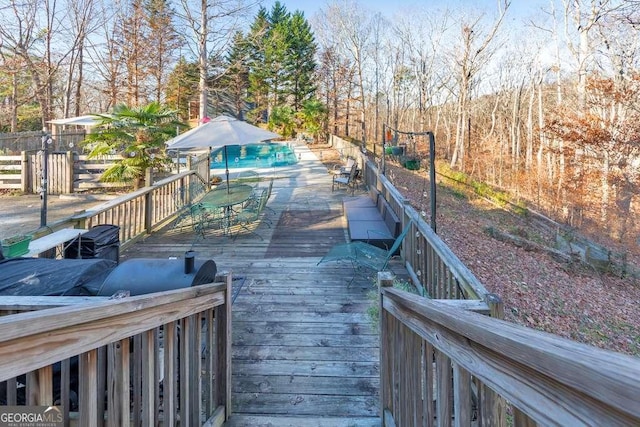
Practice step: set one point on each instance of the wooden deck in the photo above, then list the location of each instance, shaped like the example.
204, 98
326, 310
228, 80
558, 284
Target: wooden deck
304, 350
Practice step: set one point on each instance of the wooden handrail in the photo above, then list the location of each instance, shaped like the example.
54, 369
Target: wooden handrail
136, 213
111, 338
549, 379
471, 286
430, 262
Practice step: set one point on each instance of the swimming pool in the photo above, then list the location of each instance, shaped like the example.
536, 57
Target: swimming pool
254, 156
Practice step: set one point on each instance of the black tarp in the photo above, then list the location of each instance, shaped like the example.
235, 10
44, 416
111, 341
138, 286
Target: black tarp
53, 277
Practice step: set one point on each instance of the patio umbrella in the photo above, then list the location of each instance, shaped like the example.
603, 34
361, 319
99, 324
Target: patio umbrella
221, 132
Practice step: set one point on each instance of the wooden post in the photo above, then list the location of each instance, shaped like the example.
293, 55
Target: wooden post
385, 280
461, 396
196, 368
118, 385
169, 383
492, 406
12, 392
208, 172
40, 386
184, 374
444, 379
148, 378
223, 350
209, 364
65, 387
496, 306
405, 248
148, 177
101, 384
69, 173
148, 211
88, 370
25, 172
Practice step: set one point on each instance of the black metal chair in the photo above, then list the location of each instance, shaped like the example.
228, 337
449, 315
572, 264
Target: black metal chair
346, 180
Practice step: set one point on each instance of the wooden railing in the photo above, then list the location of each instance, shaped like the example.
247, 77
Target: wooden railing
430, 262
443, 365
156, 359
136, 213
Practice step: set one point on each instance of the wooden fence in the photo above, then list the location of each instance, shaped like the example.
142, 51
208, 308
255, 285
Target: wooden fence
443, 365
157, 359
68, 171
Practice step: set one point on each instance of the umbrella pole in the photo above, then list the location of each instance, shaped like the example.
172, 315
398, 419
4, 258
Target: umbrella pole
226, 164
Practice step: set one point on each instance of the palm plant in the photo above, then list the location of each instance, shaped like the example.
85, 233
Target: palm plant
138, 134
312, 117
282, 120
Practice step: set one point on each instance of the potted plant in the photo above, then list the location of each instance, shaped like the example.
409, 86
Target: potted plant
412, 163
397, 151
16, 245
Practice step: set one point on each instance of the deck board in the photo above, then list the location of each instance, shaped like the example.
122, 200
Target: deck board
304, 351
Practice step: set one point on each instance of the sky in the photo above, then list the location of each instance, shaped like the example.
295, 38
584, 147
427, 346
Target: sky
519, 8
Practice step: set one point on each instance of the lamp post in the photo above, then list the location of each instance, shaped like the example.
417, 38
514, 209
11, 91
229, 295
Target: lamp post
44, 180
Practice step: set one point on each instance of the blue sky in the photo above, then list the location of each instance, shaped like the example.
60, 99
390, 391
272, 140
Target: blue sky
519, 8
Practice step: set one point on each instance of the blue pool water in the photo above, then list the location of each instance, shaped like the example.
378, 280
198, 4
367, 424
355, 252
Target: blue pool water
254, 156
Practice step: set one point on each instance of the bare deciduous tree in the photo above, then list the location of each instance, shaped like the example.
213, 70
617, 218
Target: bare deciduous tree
82, 23
30, 30
347, 26
473, 54
209, 30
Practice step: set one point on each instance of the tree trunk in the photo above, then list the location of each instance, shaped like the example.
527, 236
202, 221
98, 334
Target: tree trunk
202, 60
80, 79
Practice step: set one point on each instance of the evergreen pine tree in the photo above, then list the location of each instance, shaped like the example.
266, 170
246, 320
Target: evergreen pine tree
282, 63
300, 61
258, 89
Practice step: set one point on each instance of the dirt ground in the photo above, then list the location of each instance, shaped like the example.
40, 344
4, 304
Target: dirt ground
20, 214
566, 299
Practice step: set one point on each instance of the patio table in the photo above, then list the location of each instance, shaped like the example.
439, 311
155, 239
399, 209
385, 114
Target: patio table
223, 198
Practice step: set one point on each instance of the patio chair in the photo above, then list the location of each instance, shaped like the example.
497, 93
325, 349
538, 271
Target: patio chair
346, 180
248, 177
254, 200
184, 198
344, 170
269, 190
204, 218
362, 254
249, 215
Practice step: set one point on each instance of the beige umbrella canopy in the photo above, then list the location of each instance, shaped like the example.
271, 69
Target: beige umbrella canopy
221, 132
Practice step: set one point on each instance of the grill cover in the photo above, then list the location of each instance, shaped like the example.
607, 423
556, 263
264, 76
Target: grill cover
142, 275
53, 277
